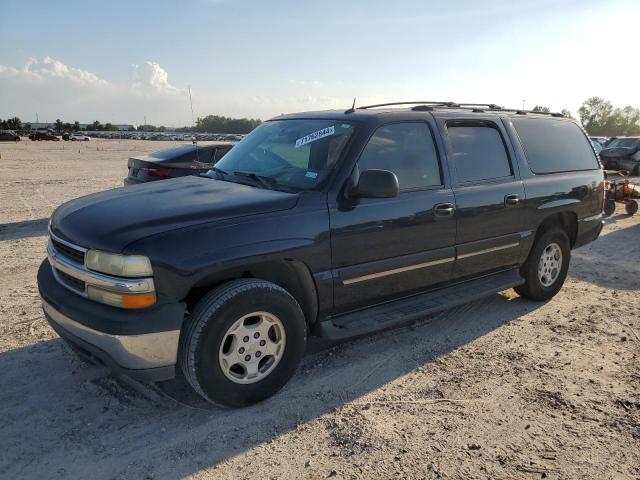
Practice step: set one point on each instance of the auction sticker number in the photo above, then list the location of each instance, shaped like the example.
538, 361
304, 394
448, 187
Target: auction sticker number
312, 137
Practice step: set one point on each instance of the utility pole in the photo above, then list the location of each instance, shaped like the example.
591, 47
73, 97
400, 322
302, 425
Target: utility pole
523, 102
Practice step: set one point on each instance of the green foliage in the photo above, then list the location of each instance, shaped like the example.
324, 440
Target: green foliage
541, 109
11, 124
599, 117
218, 124
95, 126
566, 113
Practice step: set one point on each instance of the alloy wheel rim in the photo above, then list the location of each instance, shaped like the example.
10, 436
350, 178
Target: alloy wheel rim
252, 347
550, 264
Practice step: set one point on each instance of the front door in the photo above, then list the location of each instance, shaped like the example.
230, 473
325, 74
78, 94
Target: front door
390, 247
489, 195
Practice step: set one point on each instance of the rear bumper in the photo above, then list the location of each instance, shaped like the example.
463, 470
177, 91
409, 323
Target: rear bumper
131, 181
589, 229
142, 343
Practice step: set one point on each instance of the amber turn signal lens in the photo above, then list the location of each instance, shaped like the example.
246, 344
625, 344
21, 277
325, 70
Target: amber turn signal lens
142, 300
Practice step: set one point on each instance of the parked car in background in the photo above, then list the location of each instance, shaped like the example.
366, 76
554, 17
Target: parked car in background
9, 135
601, 140
597, 146
333, 224
622, 153
190, 159
79, 137
40, 135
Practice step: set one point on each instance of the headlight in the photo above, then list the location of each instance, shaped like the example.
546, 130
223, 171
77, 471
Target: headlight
118, 265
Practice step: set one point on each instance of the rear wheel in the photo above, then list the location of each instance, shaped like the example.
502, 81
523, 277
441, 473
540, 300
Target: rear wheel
546, 268
631, 207
243, 342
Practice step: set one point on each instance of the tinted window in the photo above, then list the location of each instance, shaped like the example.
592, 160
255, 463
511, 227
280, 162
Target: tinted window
407, 150
554, 145
478, 153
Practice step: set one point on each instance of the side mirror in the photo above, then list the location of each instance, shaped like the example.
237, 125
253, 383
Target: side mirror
376, 184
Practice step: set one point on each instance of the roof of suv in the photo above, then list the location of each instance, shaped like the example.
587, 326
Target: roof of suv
375, 111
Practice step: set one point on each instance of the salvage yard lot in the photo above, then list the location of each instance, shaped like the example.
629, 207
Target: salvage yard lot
499, 388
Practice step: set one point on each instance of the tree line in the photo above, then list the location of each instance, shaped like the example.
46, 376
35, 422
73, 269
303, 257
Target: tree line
597, 115
210, 123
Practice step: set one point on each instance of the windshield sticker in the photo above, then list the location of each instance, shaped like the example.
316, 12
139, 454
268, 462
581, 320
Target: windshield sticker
311, 174
312, 137
345, 125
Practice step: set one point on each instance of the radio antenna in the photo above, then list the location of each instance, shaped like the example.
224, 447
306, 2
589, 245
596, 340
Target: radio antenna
353, 107
193, 123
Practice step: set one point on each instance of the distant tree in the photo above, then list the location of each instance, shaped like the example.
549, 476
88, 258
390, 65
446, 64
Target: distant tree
58, 126
109, 127
13, 124
76, 126
567, 113
219, 124
541, 109
132, 128
26, 127
595, 116
95, 126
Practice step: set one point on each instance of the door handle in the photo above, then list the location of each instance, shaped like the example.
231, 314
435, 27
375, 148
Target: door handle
444, 209
511, 200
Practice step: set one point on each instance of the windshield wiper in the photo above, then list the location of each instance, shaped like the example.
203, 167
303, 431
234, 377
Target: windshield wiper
266, 182
220, 174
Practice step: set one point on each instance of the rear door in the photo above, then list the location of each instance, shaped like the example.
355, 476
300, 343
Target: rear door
388, 247
489, 194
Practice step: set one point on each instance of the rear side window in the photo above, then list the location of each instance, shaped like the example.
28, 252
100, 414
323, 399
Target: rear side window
406, 149
554, 145
478, 153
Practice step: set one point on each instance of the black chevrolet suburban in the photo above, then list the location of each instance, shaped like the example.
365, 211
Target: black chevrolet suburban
334, 224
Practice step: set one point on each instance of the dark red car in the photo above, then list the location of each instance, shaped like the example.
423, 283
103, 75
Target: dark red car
189, 159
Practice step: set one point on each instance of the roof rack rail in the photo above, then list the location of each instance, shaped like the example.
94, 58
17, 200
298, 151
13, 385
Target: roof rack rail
419, 102
477, 107
492, 106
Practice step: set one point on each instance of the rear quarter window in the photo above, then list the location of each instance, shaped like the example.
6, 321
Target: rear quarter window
555, 145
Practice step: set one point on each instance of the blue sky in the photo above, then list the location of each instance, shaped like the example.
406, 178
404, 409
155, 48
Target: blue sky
120, 61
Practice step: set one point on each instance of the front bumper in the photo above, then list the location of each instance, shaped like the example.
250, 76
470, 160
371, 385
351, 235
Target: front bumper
142, 344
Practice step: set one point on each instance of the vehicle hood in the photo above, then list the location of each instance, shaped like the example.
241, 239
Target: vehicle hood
113, 219
617, 152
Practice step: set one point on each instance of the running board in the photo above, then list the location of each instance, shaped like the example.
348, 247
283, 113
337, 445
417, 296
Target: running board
397, 312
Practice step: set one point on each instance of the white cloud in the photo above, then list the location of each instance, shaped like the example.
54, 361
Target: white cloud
152, 75
56, 90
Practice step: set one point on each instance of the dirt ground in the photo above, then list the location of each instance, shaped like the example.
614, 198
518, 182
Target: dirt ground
500, 388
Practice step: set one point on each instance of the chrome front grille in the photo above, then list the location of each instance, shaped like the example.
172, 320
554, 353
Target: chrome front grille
67, 262
71, 253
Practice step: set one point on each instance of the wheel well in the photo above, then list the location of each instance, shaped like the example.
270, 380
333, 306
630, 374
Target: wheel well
568, 221
292, 275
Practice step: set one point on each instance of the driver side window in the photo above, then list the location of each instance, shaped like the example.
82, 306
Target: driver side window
406, 149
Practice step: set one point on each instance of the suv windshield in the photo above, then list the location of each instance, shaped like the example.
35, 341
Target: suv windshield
296, 154
624, 142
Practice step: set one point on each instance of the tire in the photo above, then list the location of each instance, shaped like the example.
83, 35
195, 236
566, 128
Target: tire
534, 287
609, 207
210, 325
631, 207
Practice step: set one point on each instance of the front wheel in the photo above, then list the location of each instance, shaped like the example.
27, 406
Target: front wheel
631, 207
546, 268
243, 342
